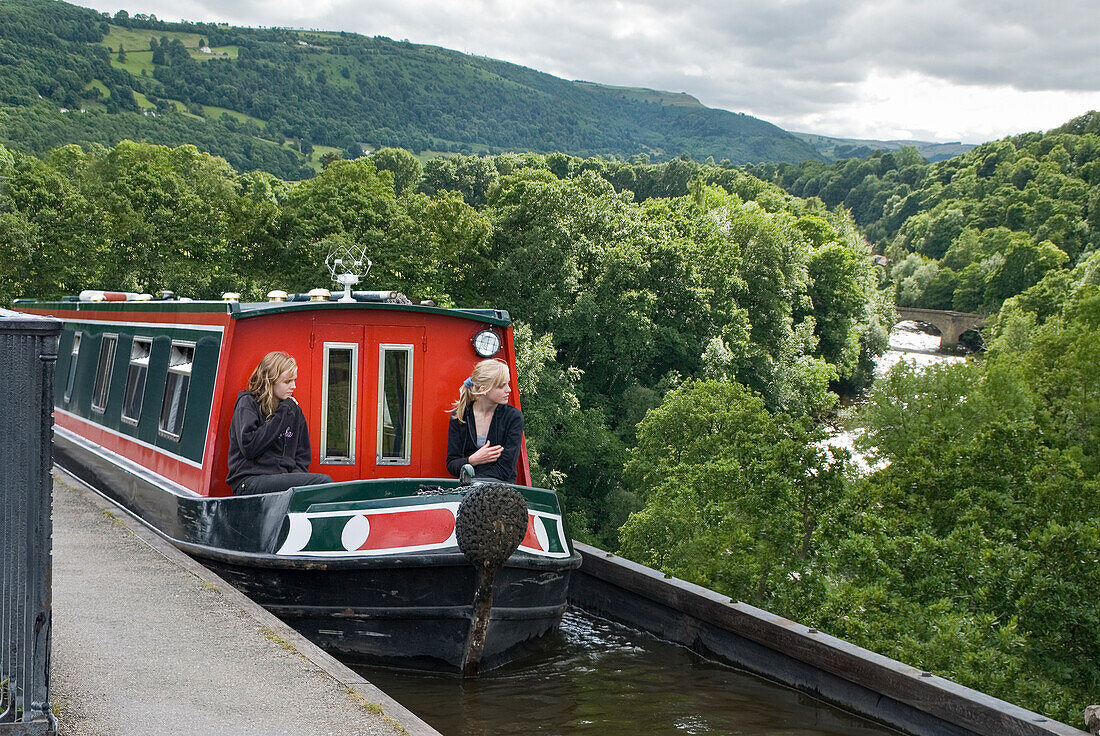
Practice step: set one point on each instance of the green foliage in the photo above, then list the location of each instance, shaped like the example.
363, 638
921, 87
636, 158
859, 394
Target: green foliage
622, 298
570, 448
405, 167
734, 495
984, 518
971, 551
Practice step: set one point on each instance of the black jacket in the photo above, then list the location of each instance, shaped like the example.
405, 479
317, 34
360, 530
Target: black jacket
258, 447
506, 428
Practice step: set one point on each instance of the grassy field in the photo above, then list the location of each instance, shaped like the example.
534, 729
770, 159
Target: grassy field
641, 94
213, 112
313, 161
139, 56
138, 39
137, 62
143, 101
103, 91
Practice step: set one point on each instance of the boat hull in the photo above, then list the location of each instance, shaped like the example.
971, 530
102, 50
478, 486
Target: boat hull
415, 616
410, 609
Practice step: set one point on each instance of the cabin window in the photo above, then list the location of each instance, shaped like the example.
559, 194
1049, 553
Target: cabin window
338, 403
70, 381
175, 389
102, 386
135, 379
395, 372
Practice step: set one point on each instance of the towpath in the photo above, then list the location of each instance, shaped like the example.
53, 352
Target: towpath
147, 641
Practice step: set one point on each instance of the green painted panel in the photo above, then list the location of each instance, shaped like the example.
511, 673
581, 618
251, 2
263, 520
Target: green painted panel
191, 443
133, 308
554, 542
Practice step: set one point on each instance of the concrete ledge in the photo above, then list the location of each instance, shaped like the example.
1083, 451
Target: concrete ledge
360, 691
747, 637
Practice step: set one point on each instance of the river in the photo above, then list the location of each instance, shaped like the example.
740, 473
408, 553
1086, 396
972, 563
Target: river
907, 344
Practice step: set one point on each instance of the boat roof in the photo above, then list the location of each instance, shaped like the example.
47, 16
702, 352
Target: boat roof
245, 310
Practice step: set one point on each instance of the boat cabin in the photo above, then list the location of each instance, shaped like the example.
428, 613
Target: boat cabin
154, 382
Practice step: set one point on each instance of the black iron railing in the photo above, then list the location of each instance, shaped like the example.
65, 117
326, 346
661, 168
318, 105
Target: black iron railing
28, 351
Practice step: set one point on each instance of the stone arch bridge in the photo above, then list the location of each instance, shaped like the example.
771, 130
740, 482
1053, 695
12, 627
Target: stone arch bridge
950, 324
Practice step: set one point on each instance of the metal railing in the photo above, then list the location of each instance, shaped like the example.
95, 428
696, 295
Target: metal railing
28, 351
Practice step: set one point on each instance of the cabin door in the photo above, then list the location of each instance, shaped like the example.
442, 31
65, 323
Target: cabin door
367, 415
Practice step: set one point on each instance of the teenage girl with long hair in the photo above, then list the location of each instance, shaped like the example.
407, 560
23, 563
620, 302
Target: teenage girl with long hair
485, 430
268, 437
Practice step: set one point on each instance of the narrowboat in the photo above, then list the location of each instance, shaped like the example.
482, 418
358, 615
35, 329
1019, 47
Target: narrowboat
367, 566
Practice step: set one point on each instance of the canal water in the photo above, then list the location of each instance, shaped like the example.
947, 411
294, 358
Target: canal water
601, 679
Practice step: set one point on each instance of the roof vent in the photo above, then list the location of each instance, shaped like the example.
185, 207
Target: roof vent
231, 296
346, 264
319, 295
277, 295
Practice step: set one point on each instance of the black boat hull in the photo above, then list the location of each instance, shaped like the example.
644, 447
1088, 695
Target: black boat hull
415, 616
410, 610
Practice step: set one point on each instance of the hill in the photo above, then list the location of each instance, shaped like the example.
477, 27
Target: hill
836, 149
274, 98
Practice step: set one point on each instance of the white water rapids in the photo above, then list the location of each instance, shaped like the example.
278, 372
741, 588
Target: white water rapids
907, 343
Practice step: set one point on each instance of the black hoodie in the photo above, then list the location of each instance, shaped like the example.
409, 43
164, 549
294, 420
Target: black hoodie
258, 447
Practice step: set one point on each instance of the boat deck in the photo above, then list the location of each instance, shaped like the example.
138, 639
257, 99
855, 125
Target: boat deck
145, 640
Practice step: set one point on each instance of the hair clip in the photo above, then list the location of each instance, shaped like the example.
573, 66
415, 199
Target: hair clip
469, 382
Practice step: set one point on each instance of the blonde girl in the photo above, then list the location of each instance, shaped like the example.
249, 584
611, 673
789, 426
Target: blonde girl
485, 431
269, 446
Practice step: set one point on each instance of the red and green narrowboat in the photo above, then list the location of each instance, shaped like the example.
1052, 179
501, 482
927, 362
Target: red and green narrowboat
367, 566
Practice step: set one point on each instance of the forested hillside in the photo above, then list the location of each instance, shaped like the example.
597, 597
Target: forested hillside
972, 231
246, 94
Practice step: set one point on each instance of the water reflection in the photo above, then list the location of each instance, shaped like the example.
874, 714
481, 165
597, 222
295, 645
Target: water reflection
595, 677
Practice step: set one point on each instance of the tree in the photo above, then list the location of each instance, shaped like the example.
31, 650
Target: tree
572, 449
839, 283
167, 212
734, 496
1024, 265
405, 167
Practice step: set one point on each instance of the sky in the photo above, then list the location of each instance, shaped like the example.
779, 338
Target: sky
932, 70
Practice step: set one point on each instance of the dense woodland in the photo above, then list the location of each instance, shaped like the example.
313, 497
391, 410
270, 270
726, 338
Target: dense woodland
969, 232
684, 329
